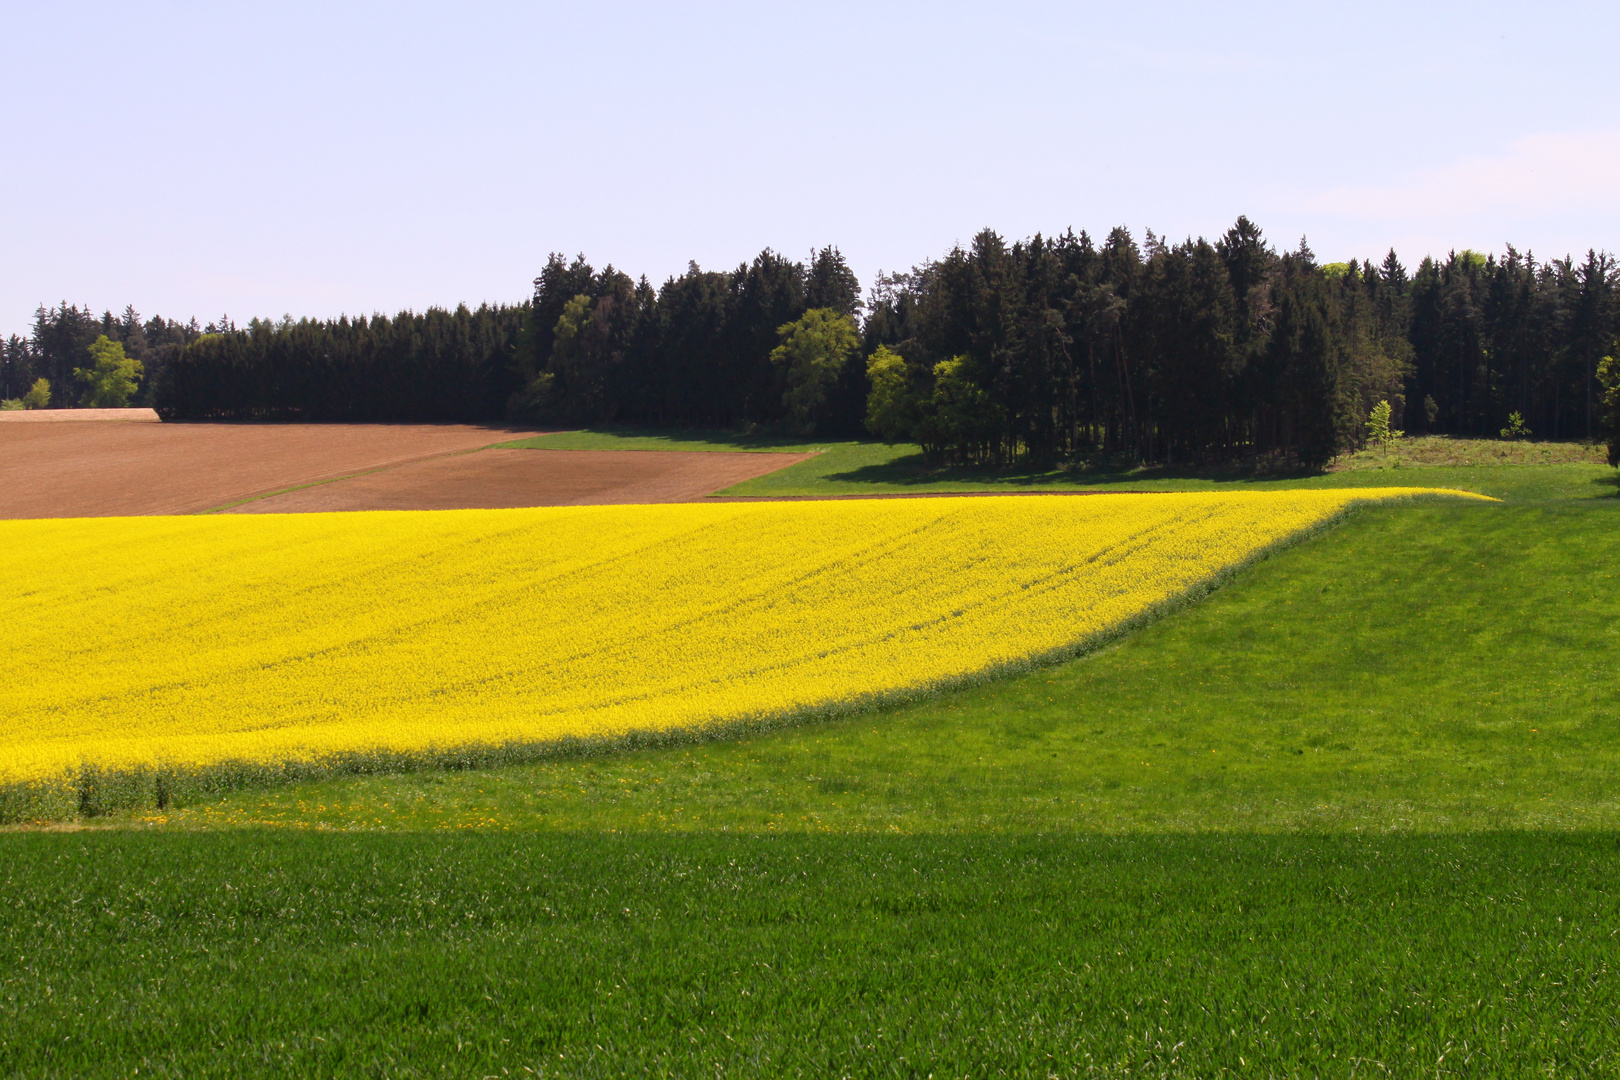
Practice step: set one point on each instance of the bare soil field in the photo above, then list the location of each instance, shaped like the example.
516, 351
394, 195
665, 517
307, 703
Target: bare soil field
52, 416
493, 479
111, 469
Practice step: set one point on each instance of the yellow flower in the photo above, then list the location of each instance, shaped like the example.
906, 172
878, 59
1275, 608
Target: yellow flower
189, 642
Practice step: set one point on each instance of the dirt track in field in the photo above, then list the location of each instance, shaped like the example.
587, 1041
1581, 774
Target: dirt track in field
115, 469
111, 469
493, 479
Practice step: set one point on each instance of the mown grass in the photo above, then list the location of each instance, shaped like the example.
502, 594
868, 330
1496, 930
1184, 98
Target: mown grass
1356, 813
598, 955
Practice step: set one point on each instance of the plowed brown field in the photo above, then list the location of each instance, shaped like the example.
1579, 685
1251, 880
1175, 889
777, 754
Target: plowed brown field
104, 470
110, 469
78, 416
491, 479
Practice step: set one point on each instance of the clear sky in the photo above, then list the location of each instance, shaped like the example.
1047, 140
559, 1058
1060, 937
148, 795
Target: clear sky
322, 158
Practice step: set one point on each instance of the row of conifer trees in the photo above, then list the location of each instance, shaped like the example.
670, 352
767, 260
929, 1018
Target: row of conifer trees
1040, 350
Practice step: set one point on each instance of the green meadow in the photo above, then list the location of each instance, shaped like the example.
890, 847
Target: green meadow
1523, 471
296, 953
1354, 813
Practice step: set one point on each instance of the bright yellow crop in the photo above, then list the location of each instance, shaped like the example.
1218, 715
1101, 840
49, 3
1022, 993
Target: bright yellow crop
192, 641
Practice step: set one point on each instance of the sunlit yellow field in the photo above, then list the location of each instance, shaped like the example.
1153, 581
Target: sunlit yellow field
189, 642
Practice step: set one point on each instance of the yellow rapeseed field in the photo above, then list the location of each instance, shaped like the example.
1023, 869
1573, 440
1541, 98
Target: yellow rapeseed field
188, 642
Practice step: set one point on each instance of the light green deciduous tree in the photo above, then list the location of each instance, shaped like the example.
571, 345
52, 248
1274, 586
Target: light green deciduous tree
112, 378
814, 349
961, 422
891, 407
1379, 430
38, 396
1608, 374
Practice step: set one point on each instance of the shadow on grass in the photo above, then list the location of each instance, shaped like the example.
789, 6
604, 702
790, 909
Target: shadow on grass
736, 440
915, 470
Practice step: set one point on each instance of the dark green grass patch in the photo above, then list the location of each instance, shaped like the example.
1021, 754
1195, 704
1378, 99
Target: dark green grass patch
297, 954
672, 439
1434, 666
1514, 470
874, 469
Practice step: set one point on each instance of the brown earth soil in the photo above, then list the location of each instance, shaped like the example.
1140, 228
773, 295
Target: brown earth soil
491, 479
47, 416
108, 469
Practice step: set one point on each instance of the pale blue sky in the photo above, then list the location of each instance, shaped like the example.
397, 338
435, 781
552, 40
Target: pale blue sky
256, 159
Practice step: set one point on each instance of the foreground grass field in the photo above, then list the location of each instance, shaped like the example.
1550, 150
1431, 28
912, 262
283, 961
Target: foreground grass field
209, 954
1354, 814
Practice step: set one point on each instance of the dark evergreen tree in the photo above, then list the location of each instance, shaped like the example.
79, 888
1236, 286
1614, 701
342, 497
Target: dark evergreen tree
830, 283
1303, 358
1037, 351
1590, 333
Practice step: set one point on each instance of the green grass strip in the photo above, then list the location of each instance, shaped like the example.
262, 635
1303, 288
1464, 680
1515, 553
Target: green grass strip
1506, 470
249, 954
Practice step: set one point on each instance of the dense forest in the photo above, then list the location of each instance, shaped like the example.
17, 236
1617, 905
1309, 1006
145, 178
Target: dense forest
1041, 350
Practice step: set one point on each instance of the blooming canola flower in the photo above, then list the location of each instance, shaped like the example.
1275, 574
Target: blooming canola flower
189, 642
